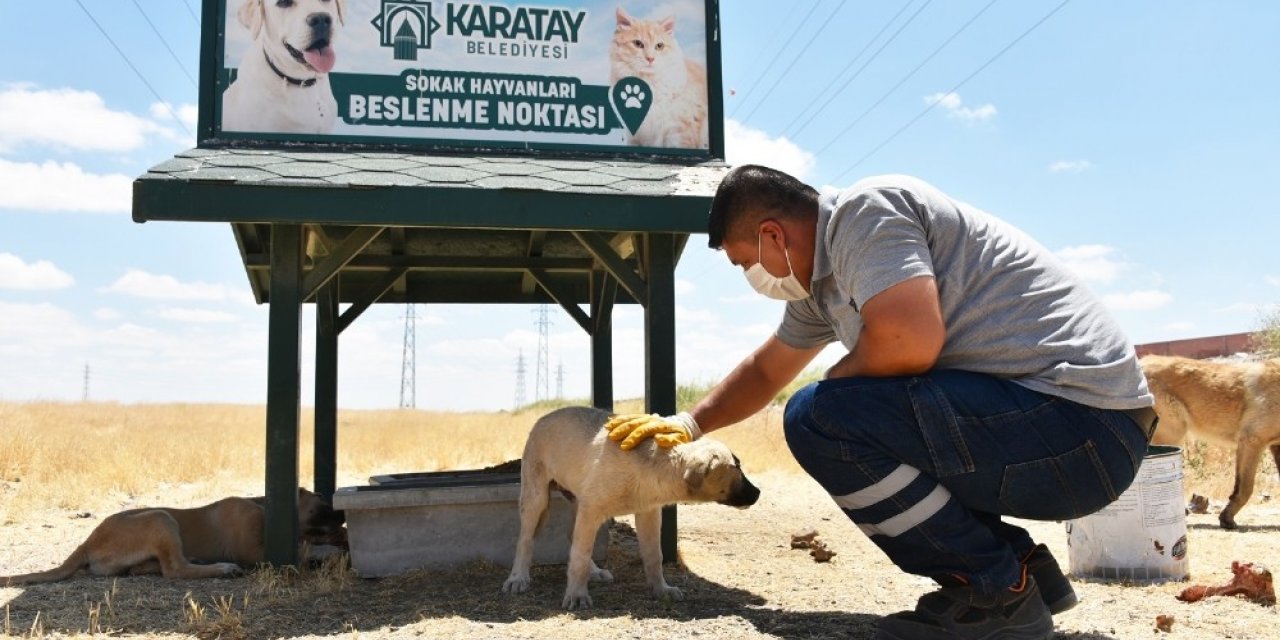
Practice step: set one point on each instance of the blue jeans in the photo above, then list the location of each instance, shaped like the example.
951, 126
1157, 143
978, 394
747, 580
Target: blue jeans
927, 465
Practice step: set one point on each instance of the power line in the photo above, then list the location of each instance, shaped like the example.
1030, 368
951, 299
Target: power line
906, 77
115, 46
864, 66
794, 60
166, 44
953, 89
774, 59
191, 10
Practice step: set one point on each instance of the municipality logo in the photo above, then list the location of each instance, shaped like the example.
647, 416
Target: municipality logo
406, 26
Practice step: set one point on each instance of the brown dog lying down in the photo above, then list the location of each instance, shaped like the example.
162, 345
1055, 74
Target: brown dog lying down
215, 540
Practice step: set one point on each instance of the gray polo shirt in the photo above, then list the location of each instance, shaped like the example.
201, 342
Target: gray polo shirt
1011, 308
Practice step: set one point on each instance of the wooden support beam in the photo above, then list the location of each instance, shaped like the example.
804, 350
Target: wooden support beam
609, 259
561, 296
338, 257
371, 295
445, 263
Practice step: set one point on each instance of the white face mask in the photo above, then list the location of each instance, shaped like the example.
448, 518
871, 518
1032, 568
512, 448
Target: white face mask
787, 288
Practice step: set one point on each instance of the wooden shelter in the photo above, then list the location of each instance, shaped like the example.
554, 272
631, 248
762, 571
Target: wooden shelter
335, 222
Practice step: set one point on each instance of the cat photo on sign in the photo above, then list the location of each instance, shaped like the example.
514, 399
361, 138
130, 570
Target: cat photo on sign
676, 85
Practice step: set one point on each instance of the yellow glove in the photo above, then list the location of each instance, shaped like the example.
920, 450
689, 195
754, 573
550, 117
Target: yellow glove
668, 432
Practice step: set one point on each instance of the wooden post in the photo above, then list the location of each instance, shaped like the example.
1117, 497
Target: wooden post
660, 351
603, 290
284, 355
326, 402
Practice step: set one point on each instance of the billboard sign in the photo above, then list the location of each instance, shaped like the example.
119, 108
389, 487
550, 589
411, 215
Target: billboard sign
629, 77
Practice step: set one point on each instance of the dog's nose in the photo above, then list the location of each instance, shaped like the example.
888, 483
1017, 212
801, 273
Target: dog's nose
320, 20
745, 496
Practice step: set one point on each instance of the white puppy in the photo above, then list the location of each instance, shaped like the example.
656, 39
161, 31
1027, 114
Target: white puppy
283, 81
569, 448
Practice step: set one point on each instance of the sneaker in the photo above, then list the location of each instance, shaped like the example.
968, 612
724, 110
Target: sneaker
953, 613
1055, 589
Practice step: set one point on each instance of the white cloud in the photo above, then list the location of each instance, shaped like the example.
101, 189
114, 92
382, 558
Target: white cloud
140, 284
685, 287
1272, 280
1137, 300
956, 109
53, 186
189, 114
1093, 262
69, 119
40, 275
195, 316
107, 313
1070, 166
744, 145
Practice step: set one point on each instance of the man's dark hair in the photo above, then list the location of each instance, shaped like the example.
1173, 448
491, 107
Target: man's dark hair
768, 192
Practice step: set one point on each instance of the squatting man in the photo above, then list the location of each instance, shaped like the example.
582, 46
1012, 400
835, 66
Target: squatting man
982, 380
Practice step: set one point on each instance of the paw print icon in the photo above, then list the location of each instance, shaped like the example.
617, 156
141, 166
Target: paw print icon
632, 96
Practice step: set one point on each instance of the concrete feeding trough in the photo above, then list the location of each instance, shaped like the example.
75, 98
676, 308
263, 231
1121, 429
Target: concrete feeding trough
406, 521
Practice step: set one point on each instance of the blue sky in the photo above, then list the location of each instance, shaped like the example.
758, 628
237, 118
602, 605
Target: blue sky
1138, 140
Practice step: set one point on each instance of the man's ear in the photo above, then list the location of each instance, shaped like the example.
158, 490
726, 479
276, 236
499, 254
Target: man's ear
252, 14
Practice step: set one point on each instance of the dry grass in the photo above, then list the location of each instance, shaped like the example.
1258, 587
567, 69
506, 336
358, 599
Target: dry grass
95, 456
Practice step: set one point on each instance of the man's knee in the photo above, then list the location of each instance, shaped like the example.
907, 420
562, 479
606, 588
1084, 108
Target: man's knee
796, 417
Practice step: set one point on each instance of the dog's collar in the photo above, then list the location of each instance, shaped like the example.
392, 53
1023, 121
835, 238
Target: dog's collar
287, 78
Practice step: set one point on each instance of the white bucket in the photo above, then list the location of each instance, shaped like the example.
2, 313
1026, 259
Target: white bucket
1142, 536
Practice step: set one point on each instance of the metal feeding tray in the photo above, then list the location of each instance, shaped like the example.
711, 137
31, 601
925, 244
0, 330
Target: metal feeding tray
433, 520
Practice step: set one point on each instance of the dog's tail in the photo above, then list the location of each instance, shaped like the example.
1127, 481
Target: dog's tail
76, 561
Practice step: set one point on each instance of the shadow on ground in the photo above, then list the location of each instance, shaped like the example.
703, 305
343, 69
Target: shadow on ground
464, 602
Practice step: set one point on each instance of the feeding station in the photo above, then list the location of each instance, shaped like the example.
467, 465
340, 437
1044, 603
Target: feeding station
417, 151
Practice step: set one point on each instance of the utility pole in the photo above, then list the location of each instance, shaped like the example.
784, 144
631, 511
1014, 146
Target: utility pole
408, 362
560, 380
84, 393
542, 378
519, 381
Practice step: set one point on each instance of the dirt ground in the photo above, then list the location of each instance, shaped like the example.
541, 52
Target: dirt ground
740, 577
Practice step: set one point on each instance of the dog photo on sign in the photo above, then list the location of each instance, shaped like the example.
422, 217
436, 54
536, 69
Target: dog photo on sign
282, 84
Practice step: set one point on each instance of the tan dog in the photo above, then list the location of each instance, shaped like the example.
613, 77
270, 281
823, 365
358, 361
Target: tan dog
215, 540
1231, 404
568, 448
282, 84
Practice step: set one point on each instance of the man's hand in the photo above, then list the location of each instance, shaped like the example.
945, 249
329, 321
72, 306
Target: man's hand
632, 429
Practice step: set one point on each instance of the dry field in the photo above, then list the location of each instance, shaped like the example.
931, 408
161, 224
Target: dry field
63, 467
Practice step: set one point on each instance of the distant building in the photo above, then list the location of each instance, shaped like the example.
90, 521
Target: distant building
1200, 348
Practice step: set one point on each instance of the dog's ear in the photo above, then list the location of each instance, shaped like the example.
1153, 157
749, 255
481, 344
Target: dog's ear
342, 11
695, 472
252, 14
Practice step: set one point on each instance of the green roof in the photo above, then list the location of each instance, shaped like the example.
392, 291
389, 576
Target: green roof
458, 228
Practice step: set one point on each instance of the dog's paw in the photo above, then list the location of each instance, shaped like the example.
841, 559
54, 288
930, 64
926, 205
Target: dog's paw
517, 584
229, 568
600, 575
576, 599
668, 593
